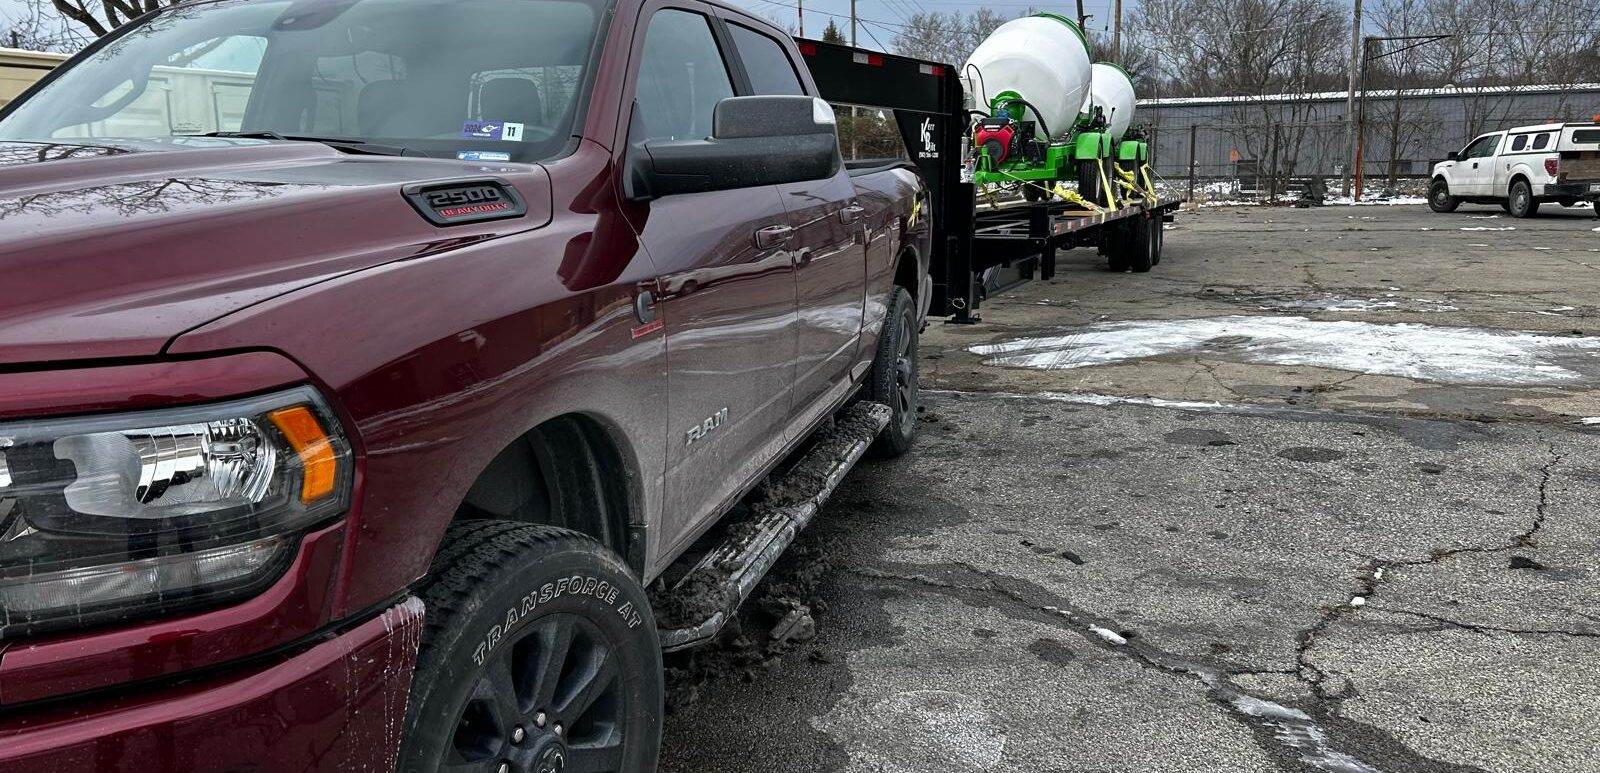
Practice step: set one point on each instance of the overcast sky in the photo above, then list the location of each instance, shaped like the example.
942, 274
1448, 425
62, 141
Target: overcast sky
881, 15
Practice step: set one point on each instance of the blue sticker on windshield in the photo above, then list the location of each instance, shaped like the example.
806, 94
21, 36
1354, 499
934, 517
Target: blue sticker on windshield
492, 130
482, 155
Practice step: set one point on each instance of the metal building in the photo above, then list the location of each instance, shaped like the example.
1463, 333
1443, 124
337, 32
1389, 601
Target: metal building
1303, 135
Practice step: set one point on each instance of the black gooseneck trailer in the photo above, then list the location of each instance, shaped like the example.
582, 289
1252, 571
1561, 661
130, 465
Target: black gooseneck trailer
929, 108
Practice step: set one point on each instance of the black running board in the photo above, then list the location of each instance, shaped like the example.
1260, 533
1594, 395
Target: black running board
724, 578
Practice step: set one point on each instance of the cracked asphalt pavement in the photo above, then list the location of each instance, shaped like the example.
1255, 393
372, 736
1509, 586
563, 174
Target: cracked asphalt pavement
1267, 567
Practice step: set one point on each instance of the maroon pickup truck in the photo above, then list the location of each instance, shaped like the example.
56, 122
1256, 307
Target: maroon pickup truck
364, 362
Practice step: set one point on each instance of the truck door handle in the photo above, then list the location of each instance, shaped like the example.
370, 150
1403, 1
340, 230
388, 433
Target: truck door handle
772, 236
849, 215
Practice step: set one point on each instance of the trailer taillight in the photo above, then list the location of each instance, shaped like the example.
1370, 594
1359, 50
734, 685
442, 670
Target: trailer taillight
1552, 166
808, 49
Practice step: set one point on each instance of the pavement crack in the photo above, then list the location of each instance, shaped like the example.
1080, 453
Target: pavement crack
1529, 538
1295, 736
1487, 630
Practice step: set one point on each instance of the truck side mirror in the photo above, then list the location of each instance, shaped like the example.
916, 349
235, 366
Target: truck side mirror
1454, 155
755, 141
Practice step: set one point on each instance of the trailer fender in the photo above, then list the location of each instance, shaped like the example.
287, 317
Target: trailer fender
1091, 145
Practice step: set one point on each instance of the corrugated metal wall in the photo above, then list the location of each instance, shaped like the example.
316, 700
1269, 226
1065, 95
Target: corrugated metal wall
1233, 138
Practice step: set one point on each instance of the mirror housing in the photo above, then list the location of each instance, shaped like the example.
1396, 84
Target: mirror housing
1454, 155
755, 141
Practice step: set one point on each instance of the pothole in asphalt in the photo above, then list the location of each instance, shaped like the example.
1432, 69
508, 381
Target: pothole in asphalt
1451, 355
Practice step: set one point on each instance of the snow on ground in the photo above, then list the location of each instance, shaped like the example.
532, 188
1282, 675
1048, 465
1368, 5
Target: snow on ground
1341, 304
1452, 355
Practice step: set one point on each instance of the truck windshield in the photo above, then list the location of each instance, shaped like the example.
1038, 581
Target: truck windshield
493, 80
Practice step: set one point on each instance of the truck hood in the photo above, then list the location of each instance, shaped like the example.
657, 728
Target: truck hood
112, 250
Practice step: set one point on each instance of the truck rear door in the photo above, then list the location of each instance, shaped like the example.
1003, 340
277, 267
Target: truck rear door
830, 250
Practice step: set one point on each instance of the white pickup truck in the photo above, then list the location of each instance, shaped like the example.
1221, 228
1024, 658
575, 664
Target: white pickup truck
1521, 168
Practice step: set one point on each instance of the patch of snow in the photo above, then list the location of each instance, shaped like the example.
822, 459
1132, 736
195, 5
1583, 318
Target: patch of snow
1484, 217
916, 731
1369, 202
1358, 601
1589, 420
1490, 228
1451, 355
1108, 634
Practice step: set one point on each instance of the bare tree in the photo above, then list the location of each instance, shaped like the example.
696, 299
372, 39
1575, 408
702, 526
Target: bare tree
946, 37
99, 17
39, 27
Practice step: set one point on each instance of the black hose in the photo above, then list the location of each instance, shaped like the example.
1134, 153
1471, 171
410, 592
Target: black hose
1040, 119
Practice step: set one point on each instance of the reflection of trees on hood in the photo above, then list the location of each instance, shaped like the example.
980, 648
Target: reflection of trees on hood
30, 153
124, 199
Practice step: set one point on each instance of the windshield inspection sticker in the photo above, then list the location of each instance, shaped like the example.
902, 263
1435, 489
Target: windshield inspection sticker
482, 155
492, 130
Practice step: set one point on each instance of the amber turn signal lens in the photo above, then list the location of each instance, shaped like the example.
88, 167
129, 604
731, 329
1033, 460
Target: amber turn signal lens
299, 426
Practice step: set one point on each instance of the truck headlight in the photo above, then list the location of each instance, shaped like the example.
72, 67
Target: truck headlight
113, 517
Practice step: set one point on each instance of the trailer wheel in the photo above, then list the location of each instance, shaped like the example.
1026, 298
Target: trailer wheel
1114, 245
1089, 181
540, 653
1141, 244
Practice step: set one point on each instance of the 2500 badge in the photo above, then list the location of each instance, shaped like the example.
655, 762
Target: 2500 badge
454, 202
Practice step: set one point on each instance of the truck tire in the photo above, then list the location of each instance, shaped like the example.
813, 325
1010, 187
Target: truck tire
1522, 201
1439, 198
1141, 244
540, 652
1158, 234
893, 380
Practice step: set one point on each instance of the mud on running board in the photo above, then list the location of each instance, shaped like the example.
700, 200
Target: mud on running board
737, 565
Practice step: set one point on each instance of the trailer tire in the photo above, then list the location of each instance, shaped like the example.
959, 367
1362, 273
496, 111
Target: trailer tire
893, 380
1141, 244
1114, 245
1158, 235
539, 650
1089, 182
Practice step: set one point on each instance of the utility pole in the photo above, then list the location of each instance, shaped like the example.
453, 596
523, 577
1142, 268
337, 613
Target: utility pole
800, 15
853, 26
1116, 36
1350, 101
1083, 20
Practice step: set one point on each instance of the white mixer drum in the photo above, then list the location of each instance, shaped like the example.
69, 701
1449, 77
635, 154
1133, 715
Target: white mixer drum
1041, 58
1112, 92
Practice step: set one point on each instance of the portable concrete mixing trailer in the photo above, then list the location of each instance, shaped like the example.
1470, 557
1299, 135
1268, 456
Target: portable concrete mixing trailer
1011, 212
